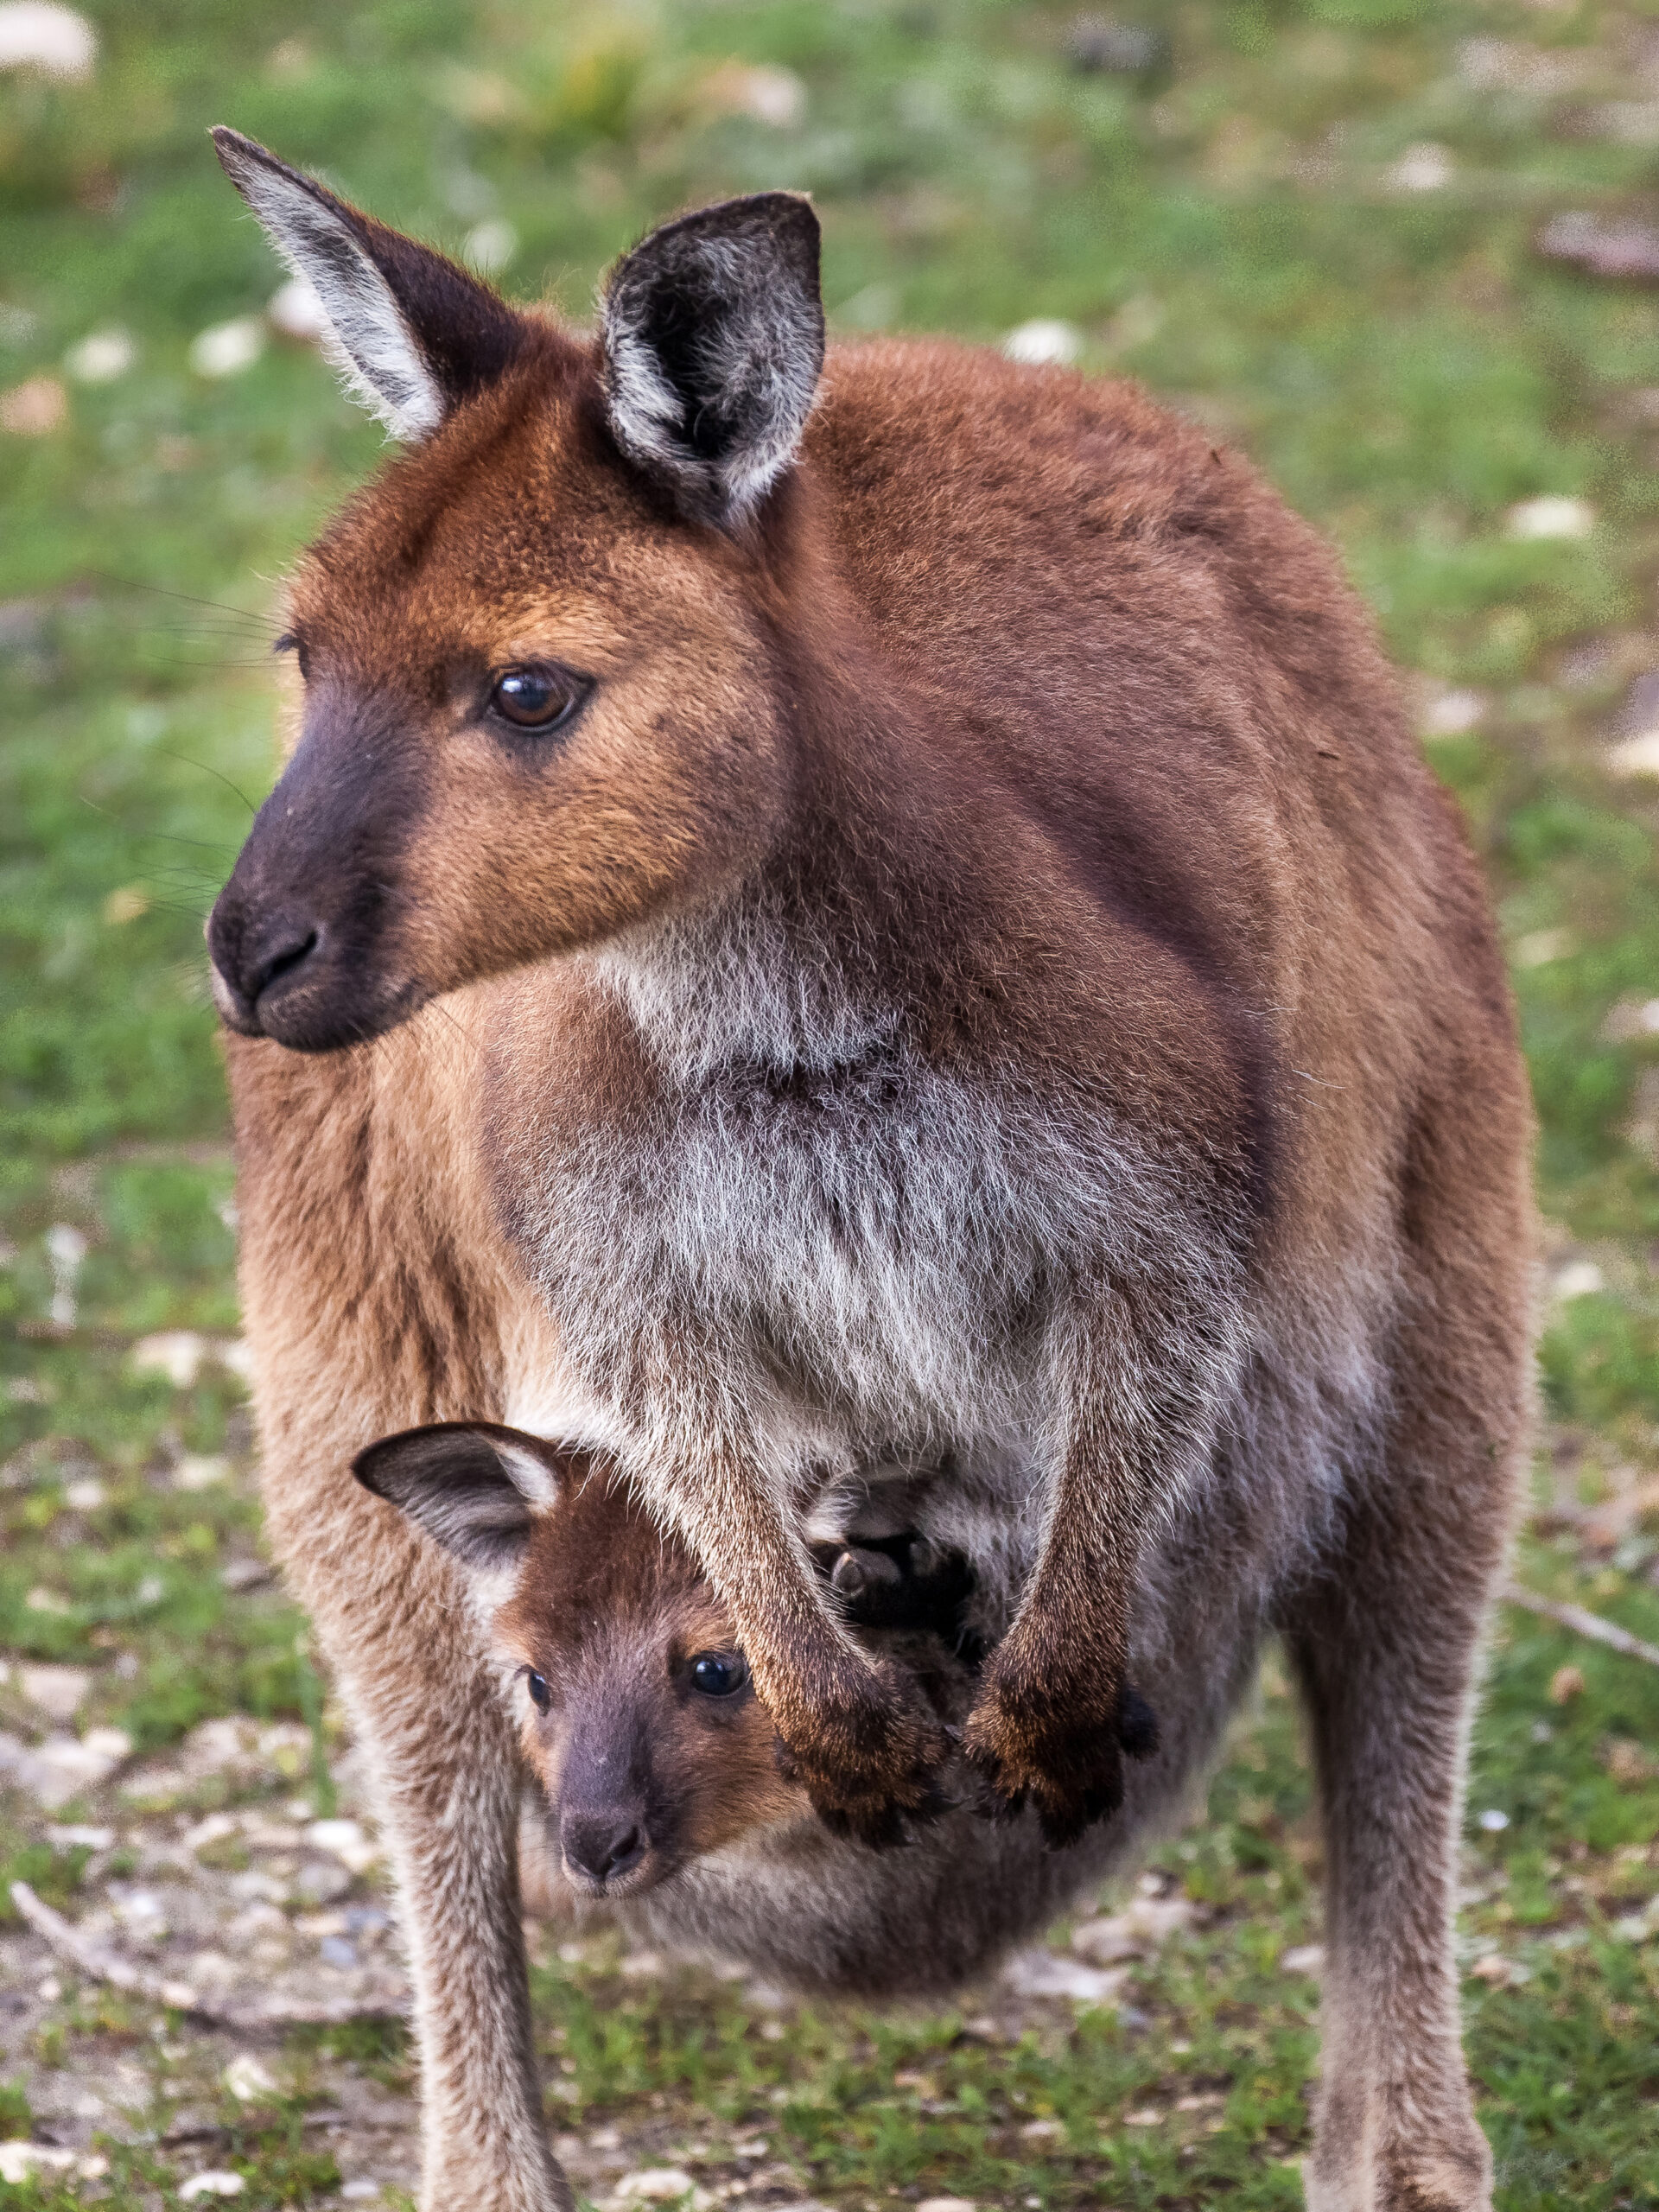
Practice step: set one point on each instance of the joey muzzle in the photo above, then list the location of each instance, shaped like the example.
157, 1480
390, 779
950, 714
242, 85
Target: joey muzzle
612, 1822
303, 937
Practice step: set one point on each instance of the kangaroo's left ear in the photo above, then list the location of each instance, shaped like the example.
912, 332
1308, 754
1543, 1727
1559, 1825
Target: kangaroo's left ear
414, 335
713, 340
474, 1487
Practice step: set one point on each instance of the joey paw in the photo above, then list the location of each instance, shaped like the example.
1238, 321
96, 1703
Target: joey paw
1054, 1755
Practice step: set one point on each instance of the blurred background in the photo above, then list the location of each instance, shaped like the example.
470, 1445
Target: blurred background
1403, 253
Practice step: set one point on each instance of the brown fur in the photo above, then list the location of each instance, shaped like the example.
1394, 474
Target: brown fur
611, 1615
1071, 745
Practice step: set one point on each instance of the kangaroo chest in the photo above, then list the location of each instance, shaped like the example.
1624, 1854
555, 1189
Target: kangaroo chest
867, 1233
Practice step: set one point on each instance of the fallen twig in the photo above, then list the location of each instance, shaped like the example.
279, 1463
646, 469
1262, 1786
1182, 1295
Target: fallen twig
1582, 1623
99, 1963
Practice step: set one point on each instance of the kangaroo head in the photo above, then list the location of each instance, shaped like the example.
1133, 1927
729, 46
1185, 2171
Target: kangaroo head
637, 1713
543, 698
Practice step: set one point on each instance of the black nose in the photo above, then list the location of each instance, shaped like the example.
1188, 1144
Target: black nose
252, 954
602, 1845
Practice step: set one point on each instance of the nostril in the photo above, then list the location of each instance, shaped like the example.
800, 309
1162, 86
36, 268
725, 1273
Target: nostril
290, 951
624, 1852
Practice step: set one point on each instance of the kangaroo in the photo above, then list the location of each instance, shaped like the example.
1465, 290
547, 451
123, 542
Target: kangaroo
879, 910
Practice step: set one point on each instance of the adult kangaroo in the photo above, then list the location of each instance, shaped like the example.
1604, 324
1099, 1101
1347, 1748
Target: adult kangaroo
890, 918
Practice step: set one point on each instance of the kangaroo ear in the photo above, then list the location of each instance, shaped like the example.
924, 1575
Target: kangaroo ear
474, 1488
413, 334
714, 340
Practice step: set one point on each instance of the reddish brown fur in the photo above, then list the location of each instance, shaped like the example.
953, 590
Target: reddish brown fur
1127, 798
610, 1614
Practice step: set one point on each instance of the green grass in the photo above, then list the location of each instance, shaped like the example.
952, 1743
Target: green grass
1402, 364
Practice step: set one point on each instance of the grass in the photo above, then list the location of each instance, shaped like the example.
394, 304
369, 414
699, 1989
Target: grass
1229, 226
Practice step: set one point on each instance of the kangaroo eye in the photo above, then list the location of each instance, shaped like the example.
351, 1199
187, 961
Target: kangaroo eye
719, 1674
537, 698
540, 1696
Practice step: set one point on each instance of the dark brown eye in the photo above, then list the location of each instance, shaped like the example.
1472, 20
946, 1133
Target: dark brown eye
540, 1696
537, 698
719, 1674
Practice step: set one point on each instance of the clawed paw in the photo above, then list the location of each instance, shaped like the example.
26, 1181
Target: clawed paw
1069, 1769
868, 1756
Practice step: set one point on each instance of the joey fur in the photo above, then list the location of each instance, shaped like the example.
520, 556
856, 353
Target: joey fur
898, 916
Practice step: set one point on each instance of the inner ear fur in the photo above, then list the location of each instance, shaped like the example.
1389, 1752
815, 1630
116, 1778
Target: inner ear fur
474, 1486
714, 342
413, 334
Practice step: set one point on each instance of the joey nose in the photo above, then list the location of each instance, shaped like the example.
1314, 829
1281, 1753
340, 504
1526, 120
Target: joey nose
603, 1846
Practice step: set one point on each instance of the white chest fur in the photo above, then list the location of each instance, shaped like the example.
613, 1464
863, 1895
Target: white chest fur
849, 1242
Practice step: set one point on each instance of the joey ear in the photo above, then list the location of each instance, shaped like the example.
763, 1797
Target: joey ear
472, 1486
713, 340
412, 334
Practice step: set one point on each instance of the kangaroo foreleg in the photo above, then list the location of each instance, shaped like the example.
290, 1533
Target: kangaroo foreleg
1057, 1713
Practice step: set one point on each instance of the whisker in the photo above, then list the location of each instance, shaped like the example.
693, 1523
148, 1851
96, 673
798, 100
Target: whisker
207, 770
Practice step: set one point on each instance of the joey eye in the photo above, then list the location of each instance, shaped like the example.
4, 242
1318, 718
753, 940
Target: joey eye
537, 698
719, 1674
540, 1696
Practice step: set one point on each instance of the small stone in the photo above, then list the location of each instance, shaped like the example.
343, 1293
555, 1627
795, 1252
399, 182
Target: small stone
1453, 714
60, 1692
1148, 2116
63, 1767
35, 408
201, 1471
346, 1841
1635, 756
86, 1495
1493, 1822
77, 1836
42, 1600
175, 1353
1565, 1684
1541, 947
763, 92
1551, 516
489, 246
213, 1829
1494, 1969
57, 41
295, 312
1044, 341
100, 358
1426, 167
212, 2183
1040, 1973
336, 1951
21, 2162
227, 348
1303, 1958
1577, 1279
662, 2185
946, 2204
247, 2080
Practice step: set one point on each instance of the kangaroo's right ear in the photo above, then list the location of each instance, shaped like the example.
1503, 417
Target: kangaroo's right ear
412, 334
473, 1487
